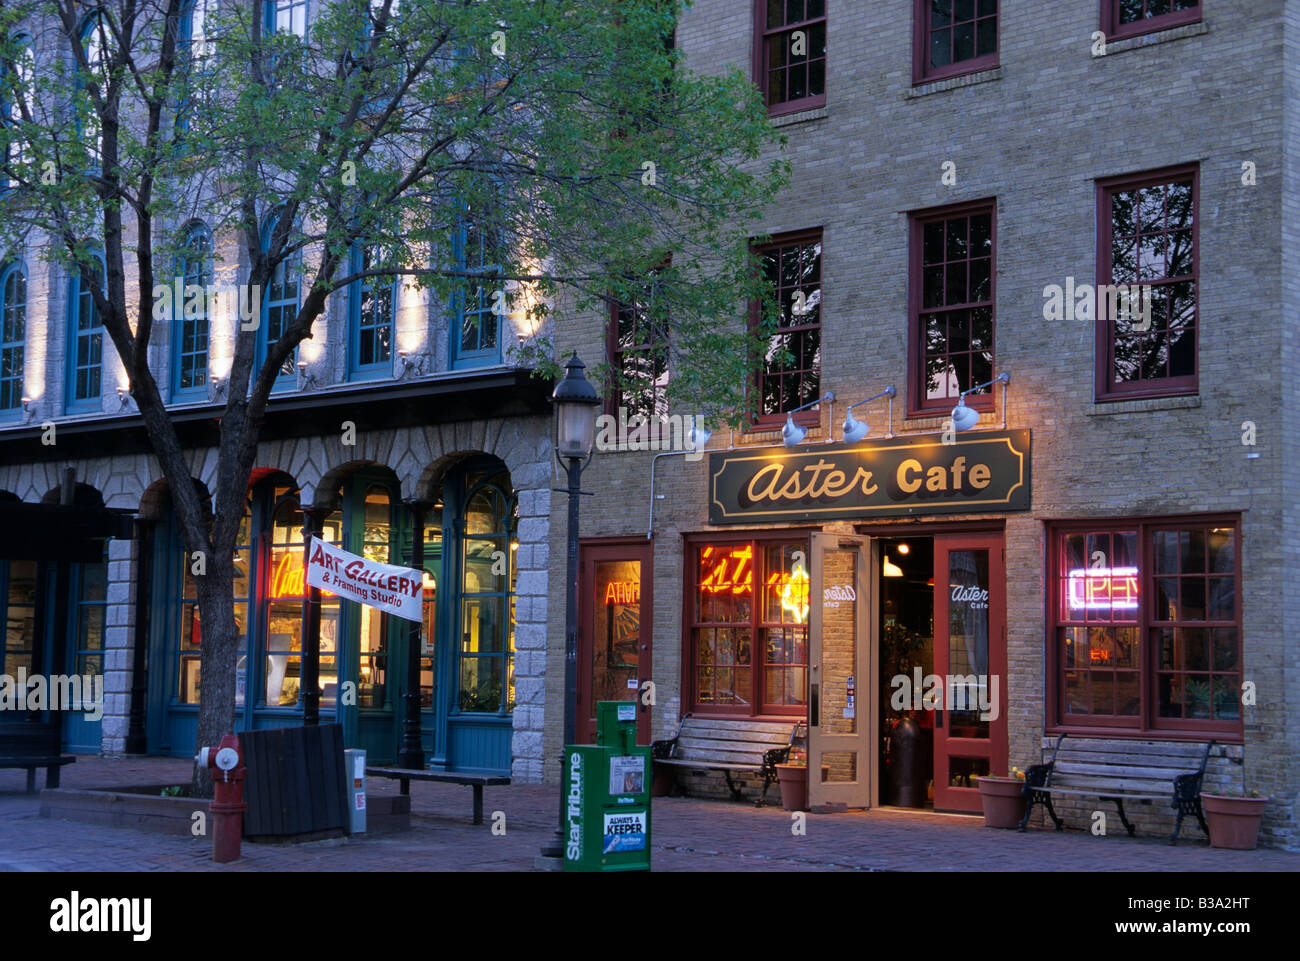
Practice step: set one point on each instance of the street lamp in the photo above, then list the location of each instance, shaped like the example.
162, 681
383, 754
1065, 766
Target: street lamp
575, 436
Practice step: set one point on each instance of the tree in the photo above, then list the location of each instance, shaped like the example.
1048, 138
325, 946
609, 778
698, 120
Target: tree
565, 138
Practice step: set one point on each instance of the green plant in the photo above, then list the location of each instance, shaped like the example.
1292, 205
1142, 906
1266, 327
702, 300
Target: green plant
173, 791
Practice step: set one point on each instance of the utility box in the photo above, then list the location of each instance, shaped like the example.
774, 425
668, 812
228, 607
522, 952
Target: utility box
355, 764
607, 816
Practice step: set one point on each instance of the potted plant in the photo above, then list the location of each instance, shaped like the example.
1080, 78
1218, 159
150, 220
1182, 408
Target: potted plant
1003, 799
1234, 819
793, 778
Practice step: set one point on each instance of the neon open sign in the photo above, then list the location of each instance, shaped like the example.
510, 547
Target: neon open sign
1103, 589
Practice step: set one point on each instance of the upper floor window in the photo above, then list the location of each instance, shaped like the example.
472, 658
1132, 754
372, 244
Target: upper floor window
1128, 18
16, 79
478, 301
85, 339
638, 354
280, 300
790, 53
194, 51
951, 292
13, 334
190, 322
96, 39
287, 15
371, 305
1146, 315
791, 373
953, 37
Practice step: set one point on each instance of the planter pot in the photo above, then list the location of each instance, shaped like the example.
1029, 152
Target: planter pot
794, 786
1004, 801
1233, 821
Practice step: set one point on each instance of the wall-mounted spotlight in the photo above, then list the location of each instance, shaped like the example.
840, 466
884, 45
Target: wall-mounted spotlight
308, 376
28, 413
964, 418
218, 386
410, 366
123, 397
792, 434
854, 429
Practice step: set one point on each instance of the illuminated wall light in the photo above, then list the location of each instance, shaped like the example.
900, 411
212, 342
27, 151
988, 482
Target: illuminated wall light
891, 569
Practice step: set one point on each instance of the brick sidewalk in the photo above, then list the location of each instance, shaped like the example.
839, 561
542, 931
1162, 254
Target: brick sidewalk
688, 835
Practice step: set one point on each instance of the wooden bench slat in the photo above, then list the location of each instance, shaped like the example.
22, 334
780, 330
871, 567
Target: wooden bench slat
1119, 770
1124, 747
1102, 794
1144, 760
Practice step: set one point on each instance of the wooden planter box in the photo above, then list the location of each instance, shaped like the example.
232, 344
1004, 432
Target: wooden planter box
131, 807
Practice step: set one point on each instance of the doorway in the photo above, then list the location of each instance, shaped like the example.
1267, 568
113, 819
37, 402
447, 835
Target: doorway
942, 668
614, 634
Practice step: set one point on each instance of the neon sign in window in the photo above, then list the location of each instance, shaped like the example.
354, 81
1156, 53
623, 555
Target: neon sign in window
1103, 589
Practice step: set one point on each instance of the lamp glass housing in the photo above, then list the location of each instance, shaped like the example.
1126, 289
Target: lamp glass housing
575, 428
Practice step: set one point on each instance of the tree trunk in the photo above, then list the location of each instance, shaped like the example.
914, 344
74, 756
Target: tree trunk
219, 650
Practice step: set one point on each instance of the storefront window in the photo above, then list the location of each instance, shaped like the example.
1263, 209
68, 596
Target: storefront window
19, 624
432, 571
727, 622
1148, 626
487, 612
190, 634
91, 614
372, 686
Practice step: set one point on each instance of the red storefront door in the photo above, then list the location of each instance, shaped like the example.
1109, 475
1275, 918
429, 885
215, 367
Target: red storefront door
614, 632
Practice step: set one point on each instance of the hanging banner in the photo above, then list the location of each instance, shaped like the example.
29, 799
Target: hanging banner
395, 590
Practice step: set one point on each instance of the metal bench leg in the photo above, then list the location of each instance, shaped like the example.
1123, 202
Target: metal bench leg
31, 780
767, 783
405, 785
1178, 823
52, 775
1119, 804
1056, 818
1029, 809
478, 803
735, 791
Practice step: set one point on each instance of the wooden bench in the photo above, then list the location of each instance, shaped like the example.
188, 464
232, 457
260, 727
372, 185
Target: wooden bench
405, 776
750, 747
30, 745
1119, 771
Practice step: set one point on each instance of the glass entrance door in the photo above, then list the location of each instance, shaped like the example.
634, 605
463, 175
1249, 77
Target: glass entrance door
614, 636
841, 716
970, 660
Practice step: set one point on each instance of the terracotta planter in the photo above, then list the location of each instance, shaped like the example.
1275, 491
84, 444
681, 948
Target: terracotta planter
794, 786
1233, 821
1004, 801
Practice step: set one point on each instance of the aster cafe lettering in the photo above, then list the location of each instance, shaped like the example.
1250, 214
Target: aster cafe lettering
986, 471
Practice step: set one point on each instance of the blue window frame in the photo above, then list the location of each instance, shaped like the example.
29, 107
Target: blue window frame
476, 327
85, 341
370, 316
287, 15
190, 317
193, 48
13, 336
279, 303
94, 42
15, 83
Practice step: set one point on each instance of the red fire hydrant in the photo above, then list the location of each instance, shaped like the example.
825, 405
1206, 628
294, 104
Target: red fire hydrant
228, 807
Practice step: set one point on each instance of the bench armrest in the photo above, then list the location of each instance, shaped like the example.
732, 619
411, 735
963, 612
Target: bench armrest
772, 758
1038, 775
663, 750
1187, 787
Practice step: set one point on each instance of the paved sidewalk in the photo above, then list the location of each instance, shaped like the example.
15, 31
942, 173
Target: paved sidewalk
688, 835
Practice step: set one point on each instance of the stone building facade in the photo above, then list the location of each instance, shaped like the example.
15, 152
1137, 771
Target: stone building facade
1059, 145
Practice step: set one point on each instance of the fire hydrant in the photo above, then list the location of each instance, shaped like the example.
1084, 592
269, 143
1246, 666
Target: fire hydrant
227, 764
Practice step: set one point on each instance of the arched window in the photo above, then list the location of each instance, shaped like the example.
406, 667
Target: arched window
85, 339
279, 300
485, 622
13, 334
194, 48
16, 79
95, 40
370, 315
190, 318
478, 248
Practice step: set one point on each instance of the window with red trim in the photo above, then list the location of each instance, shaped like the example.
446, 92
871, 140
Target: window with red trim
749, 654
791, 372
1147, 625
953, 37
1129, 18
951, 288
790, 53
1147, 317
638, 355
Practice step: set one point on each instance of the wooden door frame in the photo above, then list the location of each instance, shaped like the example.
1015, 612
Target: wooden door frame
867, 707
998, 749
590, 550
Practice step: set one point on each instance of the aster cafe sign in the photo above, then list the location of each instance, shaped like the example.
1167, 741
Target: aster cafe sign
917, 474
